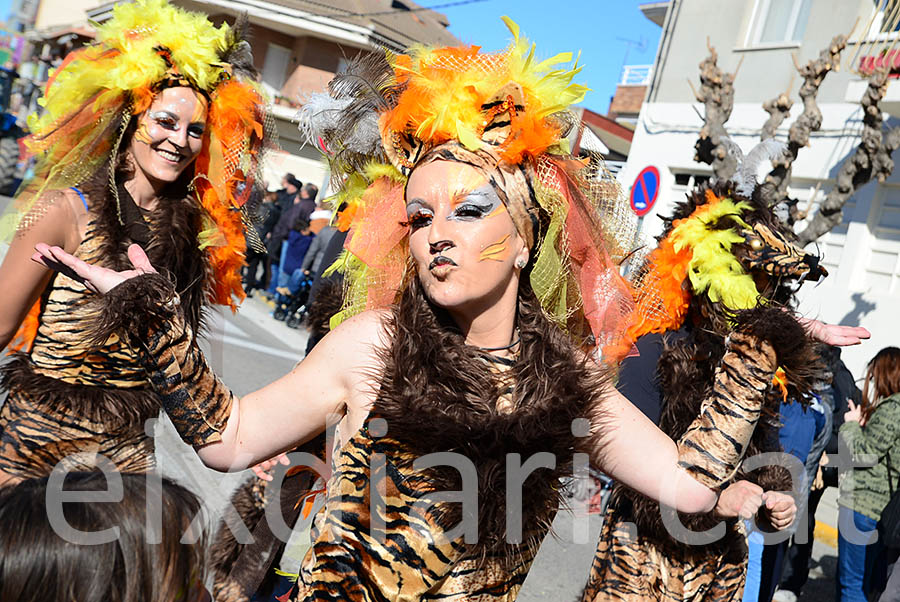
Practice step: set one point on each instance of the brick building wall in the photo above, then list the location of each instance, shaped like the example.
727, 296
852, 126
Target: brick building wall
627, 100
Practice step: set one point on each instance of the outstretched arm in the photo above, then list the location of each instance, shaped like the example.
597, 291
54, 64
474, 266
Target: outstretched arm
632, 450
22, 281
229, 433
687, 475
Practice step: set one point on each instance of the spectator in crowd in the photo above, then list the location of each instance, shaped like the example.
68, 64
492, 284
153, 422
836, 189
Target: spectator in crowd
298, 243
840, 388
312, 263
289, 188
266, 216
307, 204
871, 429
320, 218
325, 297
144, 561
286, 219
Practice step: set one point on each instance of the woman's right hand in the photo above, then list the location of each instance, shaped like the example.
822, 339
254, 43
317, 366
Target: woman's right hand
854, 414
94, 277
262, 469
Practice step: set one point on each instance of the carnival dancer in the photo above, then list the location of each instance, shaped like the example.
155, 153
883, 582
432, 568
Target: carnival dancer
480, 287
722, 252
152, 135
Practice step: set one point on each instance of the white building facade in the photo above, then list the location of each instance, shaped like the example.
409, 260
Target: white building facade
863, 253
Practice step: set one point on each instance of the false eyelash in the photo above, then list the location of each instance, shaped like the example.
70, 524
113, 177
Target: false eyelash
415, 221
470, 211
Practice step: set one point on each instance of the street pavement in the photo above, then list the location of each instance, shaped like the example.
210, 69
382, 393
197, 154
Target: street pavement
249, 350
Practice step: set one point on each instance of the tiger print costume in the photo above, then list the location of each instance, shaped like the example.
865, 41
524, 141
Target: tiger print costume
71, 400
637, 558
403, 543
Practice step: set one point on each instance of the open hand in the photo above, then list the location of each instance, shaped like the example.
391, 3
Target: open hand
780, 508
741, 499
262, 469
94, 277
834, 334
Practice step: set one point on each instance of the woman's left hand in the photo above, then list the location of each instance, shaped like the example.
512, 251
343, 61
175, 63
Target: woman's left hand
780, 508
94, 277
854, 414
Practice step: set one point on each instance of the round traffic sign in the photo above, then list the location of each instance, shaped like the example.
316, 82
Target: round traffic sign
645, 190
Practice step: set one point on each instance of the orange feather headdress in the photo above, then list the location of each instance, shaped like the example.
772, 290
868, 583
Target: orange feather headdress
496, 111
90, 99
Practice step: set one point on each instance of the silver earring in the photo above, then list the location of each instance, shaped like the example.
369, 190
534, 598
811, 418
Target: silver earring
521, 262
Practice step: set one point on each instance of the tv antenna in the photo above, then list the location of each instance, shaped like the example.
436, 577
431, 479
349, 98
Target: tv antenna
639, 45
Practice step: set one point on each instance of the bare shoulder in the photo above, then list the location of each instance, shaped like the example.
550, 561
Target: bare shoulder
363, 330
353, 347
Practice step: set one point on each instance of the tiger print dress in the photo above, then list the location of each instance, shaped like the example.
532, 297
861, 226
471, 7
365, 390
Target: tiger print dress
71, 402
393, 545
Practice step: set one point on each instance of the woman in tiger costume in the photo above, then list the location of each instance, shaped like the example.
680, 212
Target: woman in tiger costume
723, 254
144, 138
461, 374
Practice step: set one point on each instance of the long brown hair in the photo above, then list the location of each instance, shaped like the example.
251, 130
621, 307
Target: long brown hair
882, 379
38, 565
439, 394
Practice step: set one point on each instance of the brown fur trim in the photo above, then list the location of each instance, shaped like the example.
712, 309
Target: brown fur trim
329, 297
248, 504
437, 395
175, 224
138, 302
115, 407
687, 371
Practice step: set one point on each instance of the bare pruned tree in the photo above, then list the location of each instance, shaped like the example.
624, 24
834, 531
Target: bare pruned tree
717, 95
871, 159
774, 187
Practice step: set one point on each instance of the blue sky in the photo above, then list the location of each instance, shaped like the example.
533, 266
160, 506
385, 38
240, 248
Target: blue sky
592, 26
598, 28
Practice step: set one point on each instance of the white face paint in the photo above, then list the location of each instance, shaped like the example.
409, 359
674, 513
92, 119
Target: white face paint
462, 238
169, 134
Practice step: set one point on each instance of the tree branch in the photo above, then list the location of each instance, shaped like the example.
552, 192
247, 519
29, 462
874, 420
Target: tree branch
872, 159
773, 189
717, 95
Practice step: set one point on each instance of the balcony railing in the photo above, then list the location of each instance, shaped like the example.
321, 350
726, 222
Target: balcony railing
636, 75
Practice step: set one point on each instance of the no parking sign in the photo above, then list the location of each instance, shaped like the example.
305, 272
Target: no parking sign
645, 190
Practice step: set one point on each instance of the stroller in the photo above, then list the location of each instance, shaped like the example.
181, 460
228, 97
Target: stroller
291, 308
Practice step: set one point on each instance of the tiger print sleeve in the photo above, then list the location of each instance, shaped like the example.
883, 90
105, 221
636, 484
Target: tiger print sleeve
145, 311
712, 447
714, 444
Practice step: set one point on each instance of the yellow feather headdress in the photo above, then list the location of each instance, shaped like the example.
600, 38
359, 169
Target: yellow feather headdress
92, 97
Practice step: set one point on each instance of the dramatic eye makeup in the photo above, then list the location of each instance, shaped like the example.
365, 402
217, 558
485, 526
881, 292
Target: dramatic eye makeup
418, 214
476, 204
170, 121
468, 204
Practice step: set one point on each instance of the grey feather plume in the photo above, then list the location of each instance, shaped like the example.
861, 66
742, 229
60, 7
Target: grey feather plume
345, 120
745, 176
